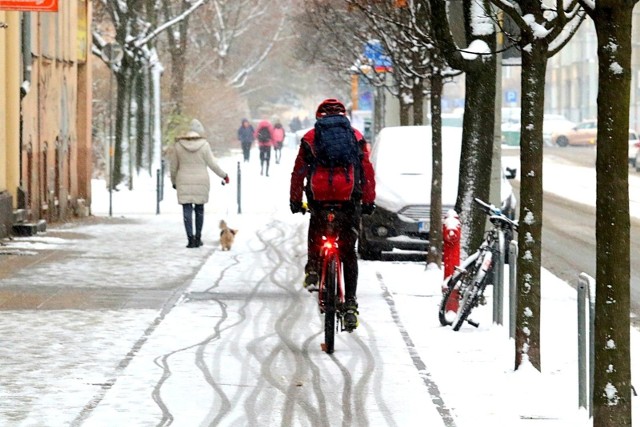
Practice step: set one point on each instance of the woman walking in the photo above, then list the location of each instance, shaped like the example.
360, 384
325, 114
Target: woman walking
245, 136
190, 158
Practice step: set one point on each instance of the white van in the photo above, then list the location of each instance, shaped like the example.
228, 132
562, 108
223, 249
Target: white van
401, 158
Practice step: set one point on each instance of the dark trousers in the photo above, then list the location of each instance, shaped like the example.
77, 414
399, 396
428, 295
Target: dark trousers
277, 149
265, 157
187, 213
246, 149
346, 226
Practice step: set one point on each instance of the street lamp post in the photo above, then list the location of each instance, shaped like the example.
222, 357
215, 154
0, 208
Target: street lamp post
112, 54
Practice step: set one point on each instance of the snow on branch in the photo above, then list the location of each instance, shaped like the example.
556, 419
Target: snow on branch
144, 40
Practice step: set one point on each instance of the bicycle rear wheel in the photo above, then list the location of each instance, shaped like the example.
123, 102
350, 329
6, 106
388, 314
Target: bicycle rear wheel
330, 286
475, 285
451, 285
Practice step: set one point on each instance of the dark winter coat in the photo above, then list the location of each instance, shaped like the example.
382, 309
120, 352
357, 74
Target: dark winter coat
245, 134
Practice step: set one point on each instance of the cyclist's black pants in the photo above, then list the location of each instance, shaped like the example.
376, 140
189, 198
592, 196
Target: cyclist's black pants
347, 223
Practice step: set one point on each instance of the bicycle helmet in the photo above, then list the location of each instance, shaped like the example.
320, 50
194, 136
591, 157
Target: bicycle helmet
330, 107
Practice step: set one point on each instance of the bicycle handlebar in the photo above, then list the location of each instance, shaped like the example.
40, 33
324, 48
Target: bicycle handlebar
496, 213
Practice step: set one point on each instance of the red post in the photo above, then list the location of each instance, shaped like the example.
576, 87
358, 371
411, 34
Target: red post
451, 230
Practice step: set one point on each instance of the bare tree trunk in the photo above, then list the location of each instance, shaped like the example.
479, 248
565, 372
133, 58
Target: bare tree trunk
435, 227
418, 103
404, 112
121, 123
612, 382
534, 64
477, 146
178, 69
140, 96
178, 51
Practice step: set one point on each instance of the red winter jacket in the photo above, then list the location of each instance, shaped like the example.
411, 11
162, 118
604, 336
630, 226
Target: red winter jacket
304, 160
262, 124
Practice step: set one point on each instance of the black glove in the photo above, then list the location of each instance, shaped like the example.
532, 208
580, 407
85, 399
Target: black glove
295, 206
368, 208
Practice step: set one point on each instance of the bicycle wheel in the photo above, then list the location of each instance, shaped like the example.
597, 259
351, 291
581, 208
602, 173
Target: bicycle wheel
451, 285
330, 286
466, 303
468, 268
475, 284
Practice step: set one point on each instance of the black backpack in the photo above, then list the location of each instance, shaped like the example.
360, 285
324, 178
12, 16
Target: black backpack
264, 135
336, 145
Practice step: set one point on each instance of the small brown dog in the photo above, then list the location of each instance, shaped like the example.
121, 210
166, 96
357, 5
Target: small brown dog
227, 235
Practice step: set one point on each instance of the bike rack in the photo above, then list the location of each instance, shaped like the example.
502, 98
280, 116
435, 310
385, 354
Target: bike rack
498, 283
586, 316
513, 289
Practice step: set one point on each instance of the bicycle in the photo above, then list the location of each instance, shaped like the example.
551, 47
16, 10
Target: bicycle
469, 280
330, 290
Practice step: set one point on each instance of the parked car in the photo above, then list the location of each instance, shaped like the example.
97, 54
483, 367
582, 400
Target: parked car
553, 123
401, 157
634, 148
584, 133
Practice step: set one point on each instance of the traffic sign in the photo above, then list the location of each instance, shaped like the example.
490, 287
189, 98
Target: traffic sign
511, 96
30, 5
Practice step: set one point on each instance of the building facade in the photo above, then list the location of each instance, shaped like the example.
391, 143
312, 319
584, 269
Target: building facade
572, 76
45, 154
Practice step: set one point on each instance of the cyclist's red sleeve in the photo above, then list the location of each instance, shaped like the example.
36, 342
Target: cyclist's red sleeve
300, 169
368, 174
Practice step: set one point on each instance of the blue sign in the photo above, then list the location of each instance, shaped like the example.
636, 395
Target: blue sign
511, 96
374, 52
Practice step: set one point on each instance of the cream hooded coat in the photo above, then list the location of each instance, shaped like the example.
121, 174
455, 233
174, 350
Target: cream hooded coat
190, 159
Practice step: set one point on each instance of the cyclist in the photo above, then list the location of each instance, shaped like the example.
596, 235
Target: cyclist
351, 188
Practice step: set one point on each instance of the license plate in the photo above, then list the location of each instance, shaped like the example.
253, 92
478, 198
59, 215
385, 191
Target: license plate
423, 227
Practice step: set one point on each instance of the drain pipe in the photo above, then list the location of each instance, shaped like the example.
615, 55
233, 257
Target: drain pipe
25, 87
27, 61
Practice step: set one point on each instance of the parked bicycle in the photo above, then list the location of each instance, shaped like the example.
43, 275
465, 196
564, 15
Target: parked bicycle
469, 281
331, 289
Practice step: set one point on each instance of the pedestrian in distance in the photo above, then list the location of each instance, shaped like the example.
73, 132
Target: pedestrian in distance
264, 135
190, 158
333, 168
245, 136
278, 140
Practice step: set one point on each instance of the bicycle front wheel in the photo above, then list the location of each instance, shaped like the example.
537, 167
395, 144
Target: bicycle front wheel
330, 286
475, 284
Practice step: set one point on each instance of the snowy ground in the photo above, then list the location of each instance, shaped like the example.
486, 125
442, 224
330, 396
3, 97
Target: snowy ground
240, 344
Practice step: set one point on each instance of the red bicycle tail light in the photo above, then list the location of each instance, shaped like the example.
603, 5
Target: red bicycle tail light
329, 243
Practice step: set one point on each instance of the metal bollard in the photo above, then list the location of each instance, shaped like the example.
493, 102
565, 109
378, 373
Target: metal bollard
586, 315
513, 288
498, 283
239, 173
158, 191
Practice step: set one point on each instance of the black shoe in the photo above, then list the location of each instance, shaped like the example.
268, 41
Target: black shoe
311, 281
197, 242
350, 316
192, 242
